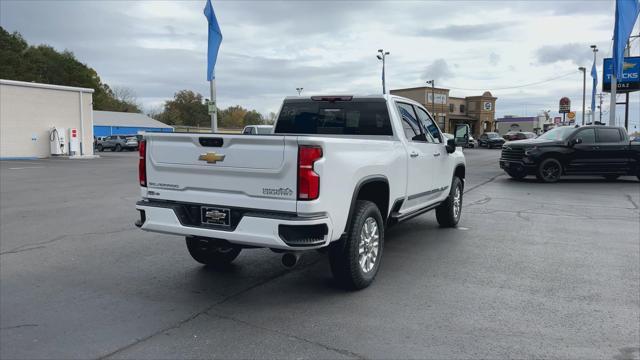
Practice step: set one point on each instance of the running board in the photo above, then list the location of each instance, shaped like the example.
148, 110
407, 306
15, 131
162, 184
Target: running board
397, 217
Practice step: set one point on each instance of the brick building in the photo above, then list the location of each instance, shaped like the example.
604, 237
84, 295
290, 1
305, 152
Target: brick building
476, 111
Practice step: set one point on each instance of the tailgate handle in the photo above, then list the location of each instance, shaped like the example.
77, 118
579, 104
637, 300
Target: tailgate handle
211, 142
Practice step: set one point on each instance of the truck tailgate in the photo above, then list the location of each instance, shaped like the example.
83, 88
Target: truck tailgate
259, 172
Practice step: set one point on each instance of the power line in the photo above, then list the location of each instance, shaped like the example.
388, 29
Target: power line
517, 86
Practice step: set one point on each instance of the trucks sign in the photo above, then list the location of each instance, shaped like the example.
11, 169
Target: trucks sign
630, 80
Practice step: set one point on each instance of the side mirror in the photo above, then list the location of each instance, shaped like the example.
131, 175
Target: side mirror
420, 137
451, 145
576, 141
462, 135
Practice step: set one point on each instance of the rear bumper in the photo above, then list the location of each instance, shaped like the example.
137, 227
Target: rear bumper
260, 229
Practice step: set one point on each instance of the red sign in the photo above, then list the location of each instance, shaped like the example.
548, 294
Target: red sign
74, 133
565, 105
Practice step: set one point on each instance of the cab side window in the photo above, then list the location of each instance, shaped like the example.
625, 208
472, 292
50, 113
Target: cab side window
430, 125
609, 136
410, 125
588, 136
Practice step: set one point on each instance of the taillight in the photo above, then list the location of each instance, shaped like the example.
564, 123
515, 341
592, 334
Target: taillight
142, 163
308, 180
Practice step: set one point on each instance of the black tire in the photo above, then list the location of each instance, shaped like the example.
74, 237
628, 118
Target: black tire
210, 252
344, 254
449, 211
100, 148
611, 177
118, 148
549, 170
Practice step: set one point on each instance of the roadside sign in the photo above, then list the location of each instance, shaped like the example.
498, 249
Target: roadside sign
565, 105
571, 115
211, 107
630, 75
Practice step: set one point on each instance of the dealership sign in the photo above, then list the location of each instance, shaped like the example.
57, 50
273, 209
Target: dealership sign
630, 80
565, 105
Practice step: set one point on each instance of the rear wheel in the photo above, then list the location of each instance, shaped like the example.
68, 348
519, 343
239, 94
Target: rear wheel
448, 213
549, 170
355, 259
211, 252
118, 148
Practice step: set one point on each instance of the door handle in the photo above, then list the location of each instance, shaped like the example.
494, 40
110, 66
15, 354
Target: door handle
413, 154
595, 147
436, 154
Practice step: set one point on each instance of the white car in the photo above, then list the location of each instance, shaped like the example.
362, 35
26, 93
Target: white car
335, 173
257, 129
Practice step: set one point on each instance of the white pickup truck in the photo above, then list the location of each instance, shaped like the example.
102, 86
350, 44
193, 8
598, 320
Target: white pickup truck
334, 174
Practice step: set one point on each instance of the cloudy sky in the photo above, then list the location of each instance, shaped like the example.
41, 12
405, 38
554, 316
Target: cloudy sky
270, 48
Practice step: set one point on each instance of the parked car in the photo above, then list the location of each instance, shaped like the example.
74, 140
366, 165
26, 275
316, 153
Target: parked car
490, 140
518, 135
118, 143
257, 129
569, 150
336, 172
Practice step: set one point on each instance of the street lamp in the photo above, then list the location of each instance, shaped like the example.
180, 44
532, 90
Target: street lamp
584, 86
381, 56
299, 90
594, 48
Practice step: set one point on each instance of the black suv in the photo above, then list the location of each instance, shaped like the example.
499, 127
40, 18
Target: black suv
568, 150
490, 140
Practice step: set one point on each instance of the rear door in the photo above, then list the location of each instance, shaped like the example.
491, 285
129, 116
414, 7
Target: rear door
258, 172
612, 151
421, 161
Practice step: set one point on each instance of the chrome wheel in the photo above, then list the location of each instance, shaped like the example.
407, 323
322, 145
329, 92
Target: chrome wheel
457, 203
368, 246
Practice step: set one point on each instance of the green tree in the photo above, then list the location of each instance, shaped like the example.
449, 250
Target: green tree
186, 108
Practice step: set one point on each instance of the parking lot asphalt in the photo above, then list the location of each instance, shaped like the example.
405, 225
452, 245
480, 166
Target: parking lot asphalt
534, 270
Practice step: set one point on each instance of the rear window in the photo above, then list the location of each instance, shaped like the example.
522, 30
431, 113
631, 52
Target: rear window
355, 117
609, 135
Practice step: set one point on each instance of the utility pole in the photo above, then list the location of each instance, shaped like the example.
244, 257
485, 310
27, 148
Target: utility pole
381, 56
601, 95
584, 87
299, 90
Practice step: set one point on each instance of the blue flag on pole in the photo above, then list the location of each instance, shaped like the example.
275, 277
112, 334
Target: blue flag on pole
215, 38
626, 14
594, 75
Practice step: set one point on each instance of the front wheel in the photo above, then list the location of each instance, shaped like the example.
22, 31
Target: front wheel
100, 148
549, 170
118, 148
355, 259
211, 252
449, 211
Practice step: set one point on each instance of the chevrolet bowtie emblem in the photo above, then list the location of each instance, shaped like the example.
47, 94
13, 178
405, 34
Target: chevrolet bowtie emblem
211, 158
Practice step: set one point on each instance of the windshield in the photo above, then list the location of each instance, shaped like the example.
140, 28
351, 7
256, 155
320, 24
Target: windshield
559, 133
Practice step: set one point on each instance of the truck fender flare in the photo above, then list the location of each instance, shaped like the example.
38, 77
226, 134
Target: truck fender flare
364, 181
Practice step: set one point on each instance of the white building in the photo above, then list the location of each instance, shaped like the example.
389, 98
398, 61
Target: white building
28, 112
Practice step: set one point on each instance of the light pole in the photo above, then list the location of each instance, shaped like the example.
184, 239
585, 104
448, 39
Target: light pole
584, 87
594, 48
299, 90
381, 56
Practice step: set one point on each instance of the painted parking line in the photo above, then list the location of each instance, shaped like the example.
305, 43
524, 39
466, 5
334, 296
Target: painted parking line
26, 167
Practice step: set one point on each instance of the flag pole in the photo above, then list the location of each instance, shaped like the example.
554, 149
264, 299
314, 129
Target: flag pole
612, 104
214, 110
